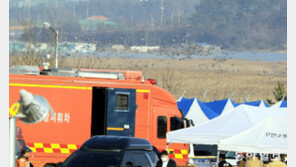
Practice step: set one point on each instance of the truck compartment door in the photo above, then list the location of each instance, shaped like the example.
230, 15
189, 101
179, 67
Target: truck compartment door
121, 108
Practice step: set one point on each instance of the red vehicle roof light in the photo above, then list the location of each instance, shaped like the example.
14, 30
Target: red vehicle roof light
152, 81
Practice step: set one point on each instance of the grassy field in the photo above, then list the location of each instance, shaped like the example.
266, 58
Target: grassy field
206, 79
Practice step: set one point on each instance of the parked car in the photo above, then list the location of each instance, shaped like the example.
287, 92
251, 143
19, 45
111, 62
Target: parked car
112, 151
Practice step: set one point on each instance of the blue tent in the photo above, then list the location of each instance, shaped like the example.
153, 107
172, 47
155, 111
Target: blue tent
201, 112
196, 110
284, 103
257, 103
280, 104
219, 106
184, 105
207, 111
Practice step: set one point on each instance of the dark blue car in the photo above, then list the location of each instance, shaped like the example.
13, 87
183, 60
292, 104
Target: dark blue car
113, 151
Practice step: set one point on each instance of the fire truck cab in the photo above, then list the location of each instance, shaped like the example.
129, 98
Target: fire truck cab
95, 102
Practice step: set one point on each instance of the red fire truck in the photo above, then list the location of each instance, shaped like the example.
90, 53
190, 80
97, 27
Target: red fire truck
95, 102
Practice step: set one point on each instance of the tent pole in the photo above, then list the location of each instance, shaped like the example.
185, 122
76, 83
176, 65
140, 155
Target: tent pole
217, 161
260, 162
283, 96
12, 141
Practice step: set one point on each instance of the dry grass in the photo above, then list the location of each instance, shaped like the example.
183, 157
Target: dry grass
205, 79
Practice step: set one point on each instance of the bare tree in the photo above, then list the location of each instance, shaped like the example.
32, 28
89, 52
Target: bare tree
31, 56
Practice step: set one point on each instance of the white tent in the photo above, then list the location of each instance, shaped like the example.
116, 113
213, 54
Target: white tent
199, 113
268, 136
239, 119
258, 103
220, 106
228, 107
196, 114
280, 104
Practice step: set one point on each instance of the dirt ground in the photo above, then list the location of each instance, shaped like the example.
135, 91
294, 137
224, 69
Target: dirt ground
206, 79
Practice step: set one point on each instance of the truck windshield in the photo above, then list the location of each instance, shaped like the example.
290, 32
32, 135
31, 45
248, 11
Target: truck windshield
205, 150
92, 159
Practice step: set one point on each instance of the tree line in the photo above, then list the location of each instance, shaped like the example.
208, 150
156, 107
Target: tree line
231, 24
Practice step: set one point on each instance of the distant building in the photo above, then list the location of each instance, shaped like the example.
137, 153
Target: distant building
64, 47
96, 18
144, 49
95, 23
207, 46
118, 48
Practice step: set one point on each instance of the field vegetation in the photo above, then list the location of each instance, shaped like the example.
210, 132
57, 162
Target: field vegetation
206, 79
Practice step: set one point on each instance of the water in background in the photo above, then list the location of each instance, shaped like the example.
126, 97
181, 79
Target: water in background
255, 56
82, 49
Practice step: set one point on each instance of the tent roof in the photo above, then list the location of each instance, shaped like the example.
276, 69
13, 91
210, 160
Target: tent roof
207, 111
184, 105
196, 114
284, 103
217, 105
268, 136
224, 126
280, 104
256, 103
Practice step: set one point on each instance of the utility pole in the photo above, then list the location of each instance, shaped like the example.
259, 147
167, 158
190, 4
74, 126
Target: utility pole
153, 28
87, 8
172, 18
161, 12
186, 36
56, 36
179, 15
29, 11
133, 30
152, 20
57, 49
74, 8
146, 37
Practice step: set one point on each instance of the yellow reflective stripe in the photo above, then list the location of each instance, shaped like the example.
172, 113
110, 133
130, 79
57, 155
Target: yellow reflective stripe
170, 151
72, 146
48, 150
50, 86
55, 146
112, 128
44, 148
143, 91
65, 150
178, 156
38, 145
33, 149
184, 152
